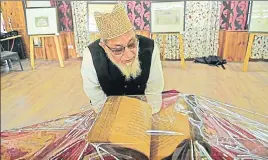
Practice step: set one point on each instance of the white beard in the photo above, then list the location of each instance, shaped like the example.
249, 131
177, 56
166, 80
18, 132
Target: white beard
130, 70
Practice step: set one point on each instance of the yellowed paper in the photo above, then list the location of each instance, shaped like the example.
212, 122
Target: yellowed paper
124, 121
168, 120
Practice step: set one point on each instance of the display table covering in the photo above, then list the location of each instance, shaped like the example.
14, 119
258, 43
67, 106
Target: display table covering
218, 131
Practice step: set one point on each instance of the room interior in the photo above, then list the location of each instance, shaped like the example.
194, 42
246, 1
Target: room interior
48, 82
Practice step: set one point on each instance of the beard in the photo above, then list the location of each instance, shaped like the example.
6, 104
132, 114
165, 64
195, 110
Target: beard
129, 70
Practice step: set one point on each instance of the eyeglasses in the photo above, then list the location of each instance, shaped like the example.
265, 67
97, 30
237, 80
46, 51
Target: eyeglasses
120, 50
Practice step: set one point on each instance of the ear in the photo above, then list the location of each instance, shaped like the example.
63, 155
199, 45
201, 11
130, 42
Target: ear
103, 46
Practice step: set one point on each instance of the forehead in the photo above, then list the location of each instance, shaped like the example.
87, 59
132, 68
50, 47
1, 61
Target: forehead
123, 39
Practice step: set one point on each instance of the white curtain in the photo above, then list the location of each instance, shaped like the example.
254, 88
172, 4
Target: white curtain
82, 39
171, 46
260, 48
201, 28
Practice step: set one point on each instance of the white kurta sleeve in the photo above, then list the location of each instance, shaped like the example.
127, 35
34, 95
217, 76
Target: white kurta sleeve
155, 83
90, 81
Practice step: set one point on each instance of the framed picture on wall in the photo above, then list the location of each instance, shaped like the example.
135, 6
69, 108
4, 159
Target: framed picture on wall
97, 7
32, 4
42, 21
259, 16
167, 17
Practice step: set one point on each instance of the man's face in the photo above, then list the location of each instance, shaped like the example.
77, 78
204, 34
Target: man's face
123, 49
123, 52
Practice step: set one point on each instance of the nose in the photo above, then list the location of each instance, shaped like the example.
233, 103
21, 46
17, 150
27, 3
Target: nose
128, 55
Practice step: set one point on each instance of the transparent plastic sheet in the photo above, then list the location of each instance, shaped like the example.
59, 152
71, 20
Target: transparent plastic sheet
221, 133
215, 131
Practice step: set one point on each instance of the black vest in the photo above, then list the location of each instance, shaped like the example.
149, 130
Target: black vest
110, 77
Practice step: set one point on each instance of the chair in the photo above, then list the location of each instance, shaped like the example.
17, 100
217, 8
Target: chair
8, 55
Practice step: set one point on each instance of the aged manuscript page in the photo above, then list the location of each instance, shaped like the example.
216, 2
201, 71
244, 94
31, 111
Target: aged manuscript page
168, 120
124, 121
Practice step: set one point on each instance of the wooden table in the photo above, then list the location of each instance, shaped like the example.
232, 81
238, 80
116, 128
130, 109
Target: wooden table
13, 38
9, 38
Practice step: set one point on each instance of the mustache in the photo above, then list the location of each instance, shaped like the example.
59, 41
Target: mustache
131, 70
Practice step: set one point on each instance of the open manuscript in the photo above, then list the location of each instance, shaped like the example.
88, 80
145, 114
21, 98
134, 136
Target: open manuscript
123, 124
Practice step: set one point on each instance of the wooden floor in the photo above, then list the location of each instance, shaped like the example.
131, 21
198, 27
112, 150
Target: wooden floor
32, 96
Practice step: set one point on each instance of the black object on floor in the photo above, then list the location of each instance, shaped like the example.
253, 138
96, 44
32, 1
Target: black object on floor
211, 60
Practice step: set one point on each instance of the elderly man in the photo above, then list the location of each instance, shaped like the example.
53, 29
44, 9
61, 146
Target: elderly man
121, 62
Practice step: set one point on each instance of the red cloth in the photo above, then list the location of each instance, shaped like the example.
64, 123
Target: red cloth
169, 97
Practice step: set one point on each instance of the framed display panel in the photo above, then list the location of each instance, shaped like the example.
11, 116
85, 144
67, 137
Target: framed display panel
32, 4
42, 21
97, 7
167, 17
259, 16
